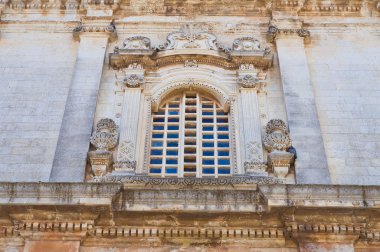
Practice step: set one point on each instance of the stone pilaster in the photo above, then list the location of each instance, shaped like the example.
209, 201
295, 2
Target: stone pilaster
311, 166
132, 86
73, 143
251, 126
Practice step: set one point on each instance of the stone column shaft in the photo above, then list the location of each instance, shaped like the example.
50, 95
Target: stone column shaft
73, 143
311, 165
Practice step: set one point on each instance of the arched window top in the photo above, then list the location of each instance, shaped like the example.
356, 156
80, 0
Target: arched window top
200, 87
190, 137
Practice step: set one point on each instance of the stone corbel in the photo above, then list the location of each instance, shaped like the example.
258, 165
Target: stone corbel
104, 138
277, 142
96, 27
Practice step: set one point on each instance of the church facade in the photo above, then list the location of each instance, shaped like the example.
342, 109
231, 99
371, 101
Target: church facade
165, 125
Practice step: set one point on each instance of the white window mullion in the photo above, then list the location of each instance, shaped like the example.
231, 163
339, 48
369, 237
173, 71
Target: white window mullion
199, 137
215, 140
165, 143
181, 139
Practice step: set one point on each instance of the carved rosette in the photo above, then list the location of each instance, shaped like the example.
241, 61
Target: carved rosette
134, 80
104, 139
277, 141
248, 81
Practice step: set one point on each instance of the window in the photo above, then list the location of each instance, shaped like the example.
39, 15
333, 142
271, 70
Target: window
190, 138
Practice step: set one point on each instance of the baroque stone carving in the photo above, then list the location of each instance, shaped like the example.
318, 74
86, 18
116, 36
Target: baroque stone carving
104, 139
190, 181
92, 26
190, 36
133, 80
190, 63
246, 44
254, 150
277, 141
248, 81
274, 32
137, 43
277, 136
128, 166
255, 168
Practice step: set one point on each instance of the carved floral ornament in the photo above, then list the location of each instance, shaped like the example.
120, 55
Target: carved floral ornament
248, 81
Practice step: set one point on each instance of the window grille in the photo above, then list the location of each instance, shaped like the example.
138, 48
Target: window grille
190, 138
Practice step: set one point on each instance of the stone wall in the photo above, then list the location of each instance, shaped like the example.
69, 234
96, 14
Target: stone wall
35, 73
344, 66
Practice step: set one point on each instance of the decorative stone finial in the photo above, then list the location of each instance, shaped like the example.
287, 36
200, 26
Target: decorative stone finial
277, 141
104, 139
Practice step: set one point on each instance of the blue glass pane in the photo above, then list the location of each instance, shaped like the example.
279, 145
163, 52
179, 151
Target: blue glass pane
224, 171
155, 170
223, 162
208, 136
172, 152
222, 136
172, 135
223, 153
176, 105
173, 112
222, 120
206, 105
173, 127
172, 144
207, 120
208, 161
156, 161
171, 161
171, 170
207, 113
207, 144
208, 153
158, 135
208, 171
158, 119
173, 120
223, 144
158, 127
208, 128
222, 128
156, 152
157, 144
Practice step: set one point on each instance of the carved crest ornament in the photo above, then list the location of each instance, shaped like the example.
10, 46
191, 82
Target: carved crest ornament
195, 44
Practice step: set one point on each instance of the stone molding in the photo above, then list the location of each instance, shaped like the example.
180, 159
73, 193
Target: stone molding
235, 180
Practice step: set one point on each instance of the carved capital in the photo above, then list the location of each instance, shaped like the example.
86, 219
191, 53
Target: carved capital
133, 80
279, 162
100, 161
248, 81
274, 33
95, 27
